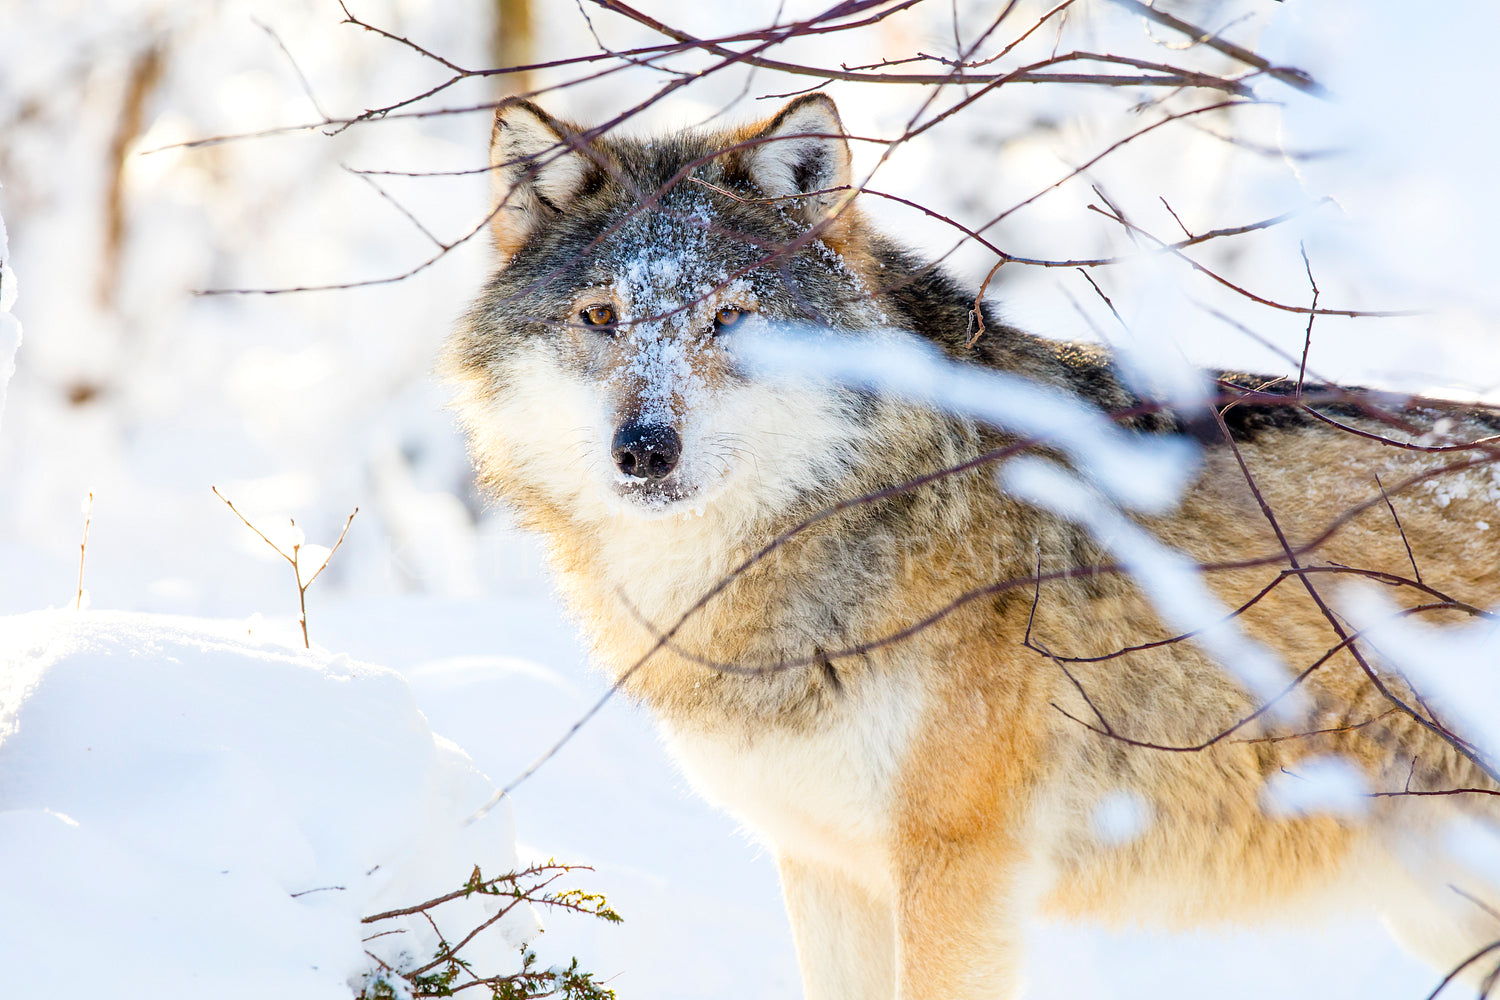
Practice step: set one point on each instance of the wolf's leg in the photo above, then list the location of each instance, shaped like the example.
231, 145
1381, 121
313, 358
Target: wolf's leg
1439, 908
1446, 929
846, 938
959, 929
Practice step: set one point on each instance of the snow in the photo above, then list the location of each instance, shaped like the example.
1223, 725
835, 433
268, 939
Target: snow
1475, 844
205, 793
1326, 785
1432, 242
651, 286
307, 406
1120, 817
1143, 473
10, 327
1453, 667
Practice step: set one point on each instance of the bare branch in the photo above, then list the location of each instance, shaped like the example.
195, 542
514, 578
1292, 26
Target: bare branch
1309, 310
1287, 75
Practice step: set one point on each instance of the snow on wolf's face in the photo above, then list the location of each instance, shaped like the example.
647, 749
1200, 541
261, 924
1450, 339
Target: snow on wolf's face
599, 367
646, 340
637, 383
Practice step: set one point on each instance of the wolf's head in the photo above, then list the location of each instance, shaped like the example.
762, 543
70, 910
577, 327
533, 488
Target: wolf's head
598, 369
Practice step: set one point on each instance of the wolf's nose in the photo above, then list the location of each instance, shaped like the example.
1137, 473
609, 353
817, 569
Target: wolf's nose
646, 451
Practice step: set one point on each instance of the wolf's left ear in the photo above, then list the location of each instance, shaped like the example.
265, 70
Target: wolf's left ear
800, 151
537, 171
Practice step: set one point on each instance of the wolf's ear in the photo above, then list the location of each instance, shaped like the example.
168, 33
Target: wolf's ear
536, 170
800, 151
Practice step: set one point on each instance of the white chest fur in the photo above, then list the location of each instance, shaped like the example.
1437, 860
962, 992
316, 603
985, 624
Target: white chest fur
824, 793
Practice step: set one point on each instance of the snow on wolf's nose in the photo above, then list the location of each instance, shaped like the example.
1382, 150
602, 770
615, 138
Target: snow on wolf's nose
646, 450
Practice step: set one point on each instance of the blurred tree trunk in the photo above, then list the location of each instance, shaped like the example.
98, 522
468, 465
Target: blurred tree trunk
144, 74
514, 43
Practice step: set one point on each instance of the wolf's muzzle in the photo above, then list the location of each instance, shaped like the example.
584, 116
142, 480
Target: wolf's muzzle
646, 451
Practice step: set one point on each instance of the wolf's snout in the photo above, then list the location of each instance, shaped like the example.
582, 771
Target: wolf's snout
646, 451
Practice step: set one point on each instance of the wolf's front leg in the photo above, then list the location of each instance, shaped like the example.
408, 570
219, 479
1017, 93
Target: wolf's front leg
846, 937
958, 925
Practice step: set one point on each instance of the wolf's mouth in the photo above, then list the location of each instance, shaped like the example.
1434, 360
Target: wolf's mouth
653, 494
646, 455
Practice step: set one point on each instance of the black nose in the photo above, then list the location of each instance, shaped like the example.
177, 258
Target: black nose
646, 451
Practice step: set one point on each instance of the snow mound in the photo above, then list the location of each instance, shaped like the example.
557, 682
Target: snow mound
186, 812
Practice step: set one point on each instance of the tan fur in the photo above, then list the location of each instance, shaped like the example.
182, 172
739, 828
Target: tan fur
925, 796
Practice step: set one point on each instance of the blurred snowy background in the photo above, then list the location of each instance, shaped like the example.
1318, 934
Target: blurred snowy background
132, 386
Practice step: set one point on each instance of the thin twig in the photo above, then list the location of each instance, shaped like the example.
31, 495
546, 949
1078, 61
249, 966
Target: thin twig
1100, 292
1394, 517
294, 558
301, 77
83, 547
1311, 316
976, 314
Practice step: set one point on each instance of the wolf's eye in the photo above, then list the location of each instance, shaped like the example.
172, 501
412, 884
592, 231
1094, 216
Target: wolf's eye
726, 318
599, 315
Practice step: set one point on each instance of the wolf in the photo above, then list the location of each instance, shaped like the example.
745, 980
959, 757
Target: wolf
933, 697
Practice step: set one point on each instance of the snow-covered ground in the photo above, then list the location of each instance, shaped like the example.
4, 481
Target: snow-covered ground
190, 808
154, 754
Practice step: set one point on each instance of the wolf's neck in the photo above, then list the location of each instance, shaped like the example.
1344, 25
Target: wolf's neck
661, 568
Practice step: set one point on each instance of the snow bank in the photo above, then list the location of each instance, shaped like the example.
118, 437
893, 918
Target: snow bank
187, 812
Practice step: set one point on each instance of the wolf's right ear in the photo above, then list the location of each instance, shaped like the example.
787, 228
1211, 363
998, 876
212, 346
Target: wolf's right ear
536, 169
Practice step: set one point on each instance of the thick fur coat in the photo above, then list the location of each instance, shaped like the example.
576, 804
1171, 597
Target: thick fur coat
933, 753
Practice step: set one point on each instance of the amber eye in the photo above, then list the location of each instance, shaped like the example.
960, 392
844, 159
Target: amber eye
726, 318
597, 315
